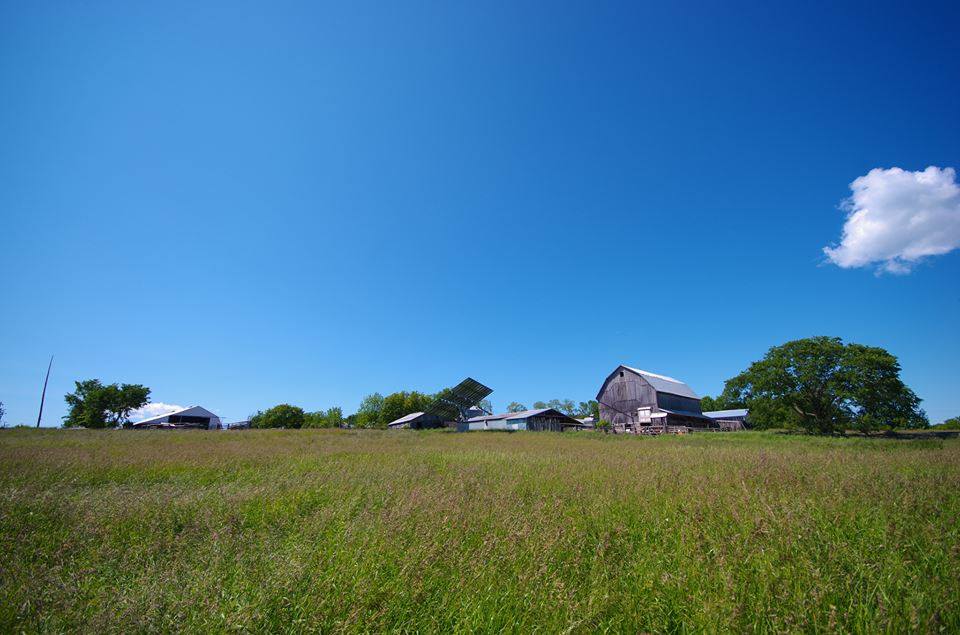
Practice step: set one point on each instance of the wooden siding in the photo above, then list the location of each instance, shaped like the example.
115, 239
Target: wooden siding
549, 423
624, 391
621, 395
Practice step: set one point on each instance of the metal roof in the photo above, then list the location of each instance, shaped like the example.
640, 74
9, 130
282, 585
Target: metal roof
405, 418
720, 414
662, 383
523, 414
174, 412
684, 413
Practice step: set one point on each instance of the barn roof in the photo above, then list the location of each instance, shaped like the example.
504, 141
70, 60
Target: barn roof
174, 412
684, 413
720, 414
405, 419
523, 414
662, 383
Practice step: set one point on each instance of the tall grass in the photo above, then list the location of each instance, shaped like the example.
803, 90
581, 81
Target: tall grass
372, 531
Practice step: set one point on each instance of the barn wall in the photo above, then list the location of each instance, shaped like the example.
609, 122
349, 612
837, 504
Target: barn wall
622, 396
547, 423
676, 402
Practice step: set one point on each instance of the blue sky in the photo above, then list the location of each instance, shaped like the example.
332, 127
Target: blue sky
242, 204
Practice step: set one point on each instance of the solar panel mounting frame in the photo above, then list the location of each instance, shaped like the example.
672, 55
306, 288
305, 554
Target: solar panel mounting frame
453, 404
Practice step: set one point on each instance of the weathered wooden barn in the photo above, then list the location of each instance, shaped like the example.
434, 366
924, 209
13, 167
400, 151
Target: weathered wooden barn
635, 400
543, 419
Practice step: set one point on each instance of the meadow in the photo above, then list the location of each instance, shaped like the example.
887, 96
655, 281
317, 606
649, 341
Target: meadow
347, 531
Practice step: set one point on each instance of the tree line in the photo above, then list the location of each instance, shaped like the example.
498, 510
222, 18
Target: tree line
818, 384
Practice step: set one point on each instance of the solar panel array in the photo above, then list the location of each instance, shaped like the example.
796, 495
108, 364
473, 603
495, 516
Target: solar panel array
452, 403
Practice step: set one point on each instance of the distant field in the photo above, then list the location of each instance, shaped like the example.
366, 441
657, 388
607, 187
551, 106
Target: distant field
434, 531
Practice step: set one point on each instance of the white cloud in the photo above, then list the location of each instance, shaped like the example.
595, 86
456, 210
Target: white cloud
153, 410
896, 217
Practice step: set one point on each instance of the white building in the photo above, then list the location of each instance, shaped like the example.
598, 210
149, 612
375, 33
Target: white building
192, 417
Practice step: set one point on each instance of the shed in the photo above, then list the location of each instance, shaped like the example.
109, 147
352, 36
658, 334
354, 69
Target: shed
416, 421
735, 419
543, 419
194, 417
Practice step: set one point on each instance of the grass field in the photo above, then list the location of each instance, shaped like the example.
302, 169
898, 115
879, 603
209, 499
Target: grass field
434, 531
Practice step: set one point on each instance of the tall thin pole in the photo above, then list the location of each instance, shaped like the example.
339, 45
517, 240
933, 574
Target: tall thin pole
43, 395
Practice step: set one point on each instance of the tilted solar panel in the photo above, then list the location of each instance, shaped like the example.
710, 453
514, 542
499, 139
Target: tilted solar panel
451, 403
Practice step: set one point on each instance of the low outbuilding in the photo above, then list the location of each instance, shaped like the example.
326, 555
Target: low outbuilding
543, 419
735, 419
194, 417
416, 421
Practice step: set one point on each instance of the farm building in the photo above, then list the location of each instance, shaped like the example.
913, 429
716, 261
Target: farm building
416, 421
193, 417
729, 419
538, 420
633, 400
587, 423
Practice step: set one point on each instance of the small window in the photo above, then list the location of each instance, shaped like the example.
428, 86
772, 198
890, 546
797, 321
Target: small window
621, 373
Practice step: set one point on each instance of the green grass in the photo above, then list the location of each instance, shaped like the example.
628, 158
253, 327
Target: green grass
373, 531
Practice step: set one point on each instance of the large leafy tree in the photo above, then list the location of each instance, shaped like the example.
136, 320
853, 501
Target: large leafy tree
822, 385
280, 416
516, 406
95, 405
368, 415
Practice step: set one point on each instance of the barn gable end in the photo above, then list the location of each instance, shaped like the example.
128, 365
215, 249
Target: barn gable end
628, 389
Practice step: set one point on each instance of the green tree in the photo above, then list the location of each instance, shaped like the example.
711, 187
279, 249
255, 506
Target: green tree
515, 406
566, 406
329, 418
399, 404
368, 415
280, 416
950, 424
588, 409
2, 412
94, 405
822, 385
316, 419
334, 417
720, 402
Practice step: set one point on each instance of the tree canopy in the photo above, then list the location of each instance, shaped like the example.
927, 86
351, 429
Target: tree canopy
280, 416
953, 423
822, 385
329, 418
708, 403
95, 405
584, 409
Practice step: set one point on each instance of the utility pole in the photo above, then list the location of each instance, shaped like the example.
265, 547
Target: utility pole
43, 395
